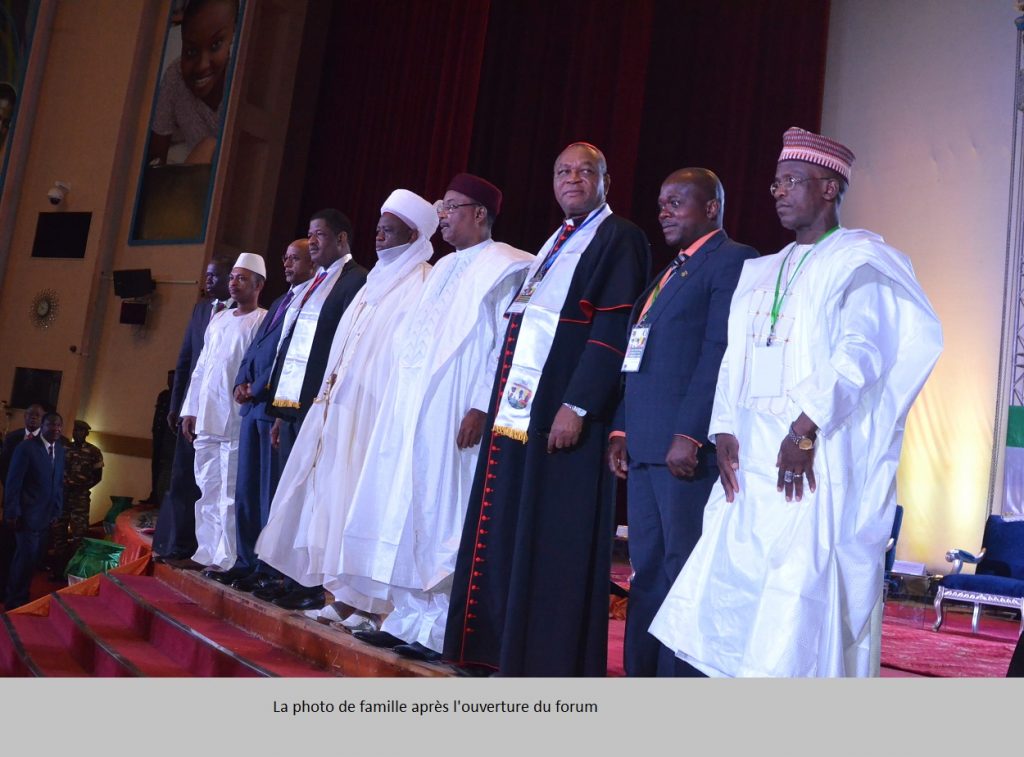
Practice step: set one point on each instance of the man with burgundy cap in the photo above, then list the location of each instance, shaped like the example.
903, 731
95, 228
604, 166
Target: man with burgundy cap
829, 343
405, 518
530, 593
210, 418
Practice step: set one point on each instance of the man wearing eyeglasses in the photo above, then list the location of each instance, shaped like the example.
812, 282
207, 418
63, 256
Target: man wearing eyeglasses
405, 517
530, 594
258, 464
829, 342
660, 445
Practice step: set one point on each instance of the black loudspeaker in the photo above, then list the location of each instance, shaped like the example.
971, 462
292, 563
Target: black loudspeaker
134, 313
136, 282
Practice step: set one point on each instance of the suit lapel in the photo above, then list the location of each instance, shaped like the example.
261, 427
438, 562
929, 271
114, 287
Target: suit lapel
678, 281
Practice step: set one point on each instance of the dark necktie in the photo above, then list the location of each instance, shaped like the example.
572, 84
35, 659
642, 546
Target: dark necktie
218, 306
316, 282
52, 458
279, 313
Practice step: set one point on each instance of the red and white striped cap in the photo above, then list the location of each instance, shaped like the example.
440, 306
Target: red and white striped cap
800, 144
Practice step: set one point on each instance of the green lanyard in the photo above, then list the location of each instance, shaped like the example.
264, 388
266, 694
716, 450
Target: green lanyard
780, 297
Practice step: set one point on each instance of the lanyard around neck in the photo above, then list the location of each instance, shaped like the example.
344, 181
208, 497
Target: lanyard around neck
780, 293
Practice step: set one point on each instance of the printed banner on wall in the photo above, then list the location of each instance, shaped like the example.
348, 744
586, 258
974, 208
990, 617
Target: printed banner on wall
1013, 495
187, 121
17, 20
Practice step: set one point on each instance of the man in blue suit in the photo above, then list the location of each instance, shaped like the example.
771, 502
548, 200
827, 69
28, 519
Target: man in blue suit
258, 464
33, 501
33, 420
660, 443
175, 538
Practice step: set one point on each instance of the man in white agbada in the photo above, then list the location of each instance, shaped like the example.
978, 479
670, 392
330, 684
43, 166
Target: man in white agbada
311, 503
405, 519
830, 341
210, 418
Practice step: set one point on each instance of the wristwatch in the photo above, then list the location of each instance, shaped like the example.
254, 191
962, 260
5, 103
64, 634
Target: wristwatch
803, 442
581, 412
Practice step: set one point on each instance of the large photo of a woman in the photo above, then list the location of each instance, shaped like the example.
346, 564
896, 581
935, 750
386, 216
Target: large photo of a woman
187, 121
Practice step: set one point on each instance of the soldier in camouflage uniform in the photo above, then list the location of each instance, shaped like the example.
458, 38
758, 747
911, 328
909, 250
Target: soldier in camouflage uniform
83, 469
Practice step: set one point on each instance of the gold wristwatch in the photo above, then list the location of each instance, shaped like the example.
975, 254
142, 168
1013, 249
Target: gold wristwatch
805, 443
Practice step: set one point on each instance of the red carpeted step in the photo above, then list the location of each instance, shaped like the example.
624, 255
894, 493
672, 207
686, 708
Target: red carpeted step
40, 648
114, 636
172, 612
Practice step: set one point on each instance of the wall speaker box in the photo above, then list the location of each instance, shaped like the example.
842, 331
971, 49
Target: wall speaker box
35, 385
61, 235
134, 313
136, 282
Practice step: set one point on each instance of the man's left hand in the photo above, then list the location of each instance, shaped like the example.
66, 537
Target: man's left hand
471, 431
566, 430
801, 463
682, 457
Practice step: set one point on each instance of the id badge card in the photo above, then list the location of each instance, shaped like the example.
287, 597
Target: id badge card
766, 370
522, 299
635, 349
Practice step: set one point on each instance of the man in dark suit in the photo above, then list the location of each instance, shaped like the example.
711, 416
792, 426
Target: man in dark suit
677, 340
34, 501
299, 366
258, 465
175, 538
33, 420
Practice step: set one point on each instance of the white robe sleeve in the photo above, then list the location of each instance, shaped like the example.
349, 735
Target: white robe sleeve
499, 298
721, 411
191, 404
864, 336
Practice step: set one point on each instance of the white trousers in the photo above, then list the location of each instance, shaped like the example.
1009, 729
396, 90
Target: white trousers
216, 467
420, 615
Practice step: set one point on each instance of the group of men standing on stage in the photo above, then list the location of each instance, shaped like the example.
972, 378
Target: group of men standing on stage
437, 447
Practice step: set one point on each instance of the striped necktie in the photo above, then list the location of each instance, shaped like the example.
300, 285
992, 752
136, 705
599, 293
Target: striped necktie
566, 232
316, 282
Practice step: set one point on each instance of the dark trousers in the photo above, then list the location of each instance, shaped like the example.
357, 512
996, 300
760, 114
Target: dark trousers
289, 431
258, 474
175, 534
665, 519
6, 551
29, 548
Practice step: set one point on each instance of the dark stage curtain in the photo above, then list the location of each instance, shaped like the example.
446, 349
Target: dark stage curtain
414, 92
396, 104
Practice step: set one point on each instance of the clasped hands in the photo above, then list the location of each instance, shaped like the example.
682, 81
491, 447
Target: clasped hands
681, 458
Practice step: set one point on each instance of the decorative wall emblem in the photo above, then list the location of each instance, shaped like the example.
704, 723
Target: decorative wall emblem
44, 308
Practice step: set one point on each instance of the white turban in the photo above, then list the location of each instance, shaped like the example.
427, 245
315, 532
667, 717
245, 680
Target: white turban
399, 261
416, 212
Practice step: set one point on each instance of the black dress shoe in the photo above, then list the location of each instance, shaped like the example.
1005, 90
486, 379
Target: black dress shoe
255, 581
271, 591
302, 599
417, 651
381, 639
